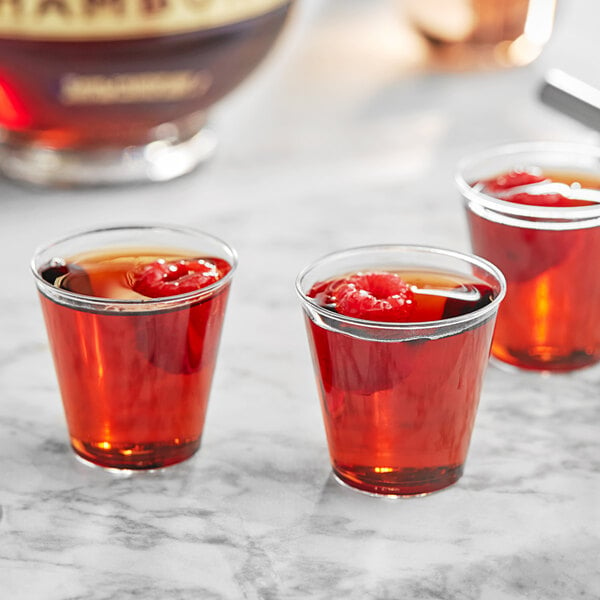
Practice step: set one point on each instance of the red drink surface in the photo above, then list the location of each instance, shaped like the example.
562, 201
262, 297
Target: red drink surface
549, 319
134, 383
399, 414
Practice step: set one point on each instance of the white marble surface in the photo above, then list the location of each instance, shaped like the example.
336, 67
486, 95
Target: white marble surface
343, 138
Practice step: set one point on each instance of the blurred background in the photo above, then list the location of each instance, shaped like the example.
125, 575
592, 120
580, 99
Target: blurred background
348, 133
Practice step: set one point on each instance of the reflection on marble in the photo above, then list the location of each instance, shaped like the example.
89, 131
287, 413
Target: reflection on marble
308, 164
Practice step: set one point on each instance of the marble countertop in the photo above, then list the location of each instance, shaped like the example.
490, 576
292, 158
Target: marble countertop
346, 136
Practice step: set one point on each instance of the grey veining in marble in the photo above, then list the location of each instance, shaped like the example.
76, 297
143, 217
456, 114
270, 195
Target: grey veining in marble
341, 139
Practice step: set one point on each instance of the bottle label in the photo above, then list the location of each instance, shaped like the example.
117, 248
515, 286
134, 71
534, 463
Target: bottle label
128, 88
72, 20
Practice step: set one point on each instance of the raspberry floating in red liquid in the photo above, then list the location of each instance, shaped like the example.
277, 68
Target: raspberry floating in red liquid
375, 296
510, 180
170, 278
552, 200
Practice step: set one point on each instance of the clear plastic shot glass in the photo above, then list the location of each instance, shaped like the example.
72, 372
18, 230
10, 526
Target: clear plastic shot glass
534, 211
400, 338
134, 316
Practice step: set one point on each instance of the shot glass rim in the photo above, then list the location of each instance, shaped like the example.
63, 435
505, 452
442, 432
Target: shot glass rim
164, 300
473, 259
523, 210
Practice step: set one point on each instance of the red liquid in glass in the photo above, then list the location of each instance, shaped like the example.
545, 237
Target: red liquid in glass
135, 385
399, 415
549, 319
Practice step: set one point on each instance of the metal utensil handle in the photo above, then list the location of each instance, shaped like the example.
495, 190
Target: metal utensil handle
572, 97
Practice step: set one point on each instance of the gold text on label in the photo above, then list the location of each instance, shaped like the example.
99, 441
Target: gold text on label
122, 19
123, 88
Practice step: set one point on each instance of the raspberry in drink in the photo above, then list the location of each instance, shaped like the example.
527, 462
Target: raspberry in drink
399, 355
541, 227
135, 355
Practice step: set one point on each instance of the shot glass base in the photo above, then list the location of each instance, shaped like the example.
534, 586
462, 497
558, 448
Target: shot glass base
542, 359
159, 160
139, 457
399, 484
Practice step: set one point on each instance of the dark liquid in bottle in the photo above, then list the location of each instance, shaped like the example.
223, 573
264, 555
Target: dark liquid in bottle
34, 76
